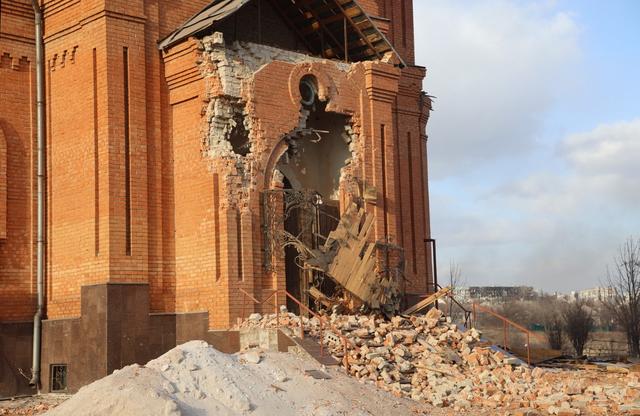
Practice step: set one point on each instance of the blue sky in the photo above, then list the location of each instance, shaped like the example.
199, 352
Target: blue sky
534, 145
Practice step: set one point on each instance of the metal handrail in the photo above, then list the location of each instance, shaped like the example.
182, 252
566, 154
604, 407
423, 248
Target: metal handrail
467, 312
505, 323
321, 319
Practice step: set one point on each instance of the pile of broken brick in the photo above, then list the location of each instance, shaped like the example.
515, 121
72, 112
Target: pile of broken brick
428, 358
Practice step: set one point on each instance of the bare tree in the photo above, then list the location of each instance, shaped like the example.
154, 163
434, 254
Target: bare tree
554, 329
624, 280
579, 323
455, 282
455, 275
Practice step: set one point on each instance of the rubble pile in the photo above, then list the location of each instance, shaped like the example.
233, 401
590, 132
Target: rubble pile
429, 359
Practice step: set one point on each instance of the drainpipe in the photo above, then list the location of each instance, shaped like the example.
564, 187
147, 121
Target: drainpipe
434, 258
37, 318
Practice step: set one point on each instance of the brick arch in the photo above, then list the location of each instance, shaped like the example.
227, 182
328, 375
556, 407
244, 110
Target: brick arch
326, 86
328, 91
3, 184
277, 152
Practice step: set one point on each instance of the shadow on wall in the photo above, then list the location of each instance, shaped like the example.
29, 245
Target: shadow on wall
15, 354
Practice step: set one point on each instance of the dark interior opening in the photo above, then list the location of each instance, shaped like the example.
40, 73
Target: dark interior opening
239, 137
293, 273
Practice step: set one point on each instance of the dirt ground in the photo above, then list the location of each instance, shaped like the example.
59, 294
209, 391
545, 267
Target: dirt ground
31, 406
389, 405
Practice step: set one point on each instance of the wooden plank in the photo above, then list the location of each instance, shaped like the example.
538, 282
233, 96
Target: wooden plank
354, 263
427, 301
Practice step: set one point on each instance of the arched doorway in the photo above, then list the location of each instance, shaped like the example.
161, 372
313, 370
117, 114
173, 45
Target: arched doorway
311, 167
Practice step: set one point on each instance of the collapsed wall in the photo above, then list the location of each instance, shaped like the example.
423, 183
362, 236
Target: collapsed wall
313, 146
233, 133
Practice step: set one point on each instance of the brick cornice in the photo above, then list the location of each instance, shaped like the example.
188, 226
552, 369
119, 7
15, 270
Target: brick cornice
102, 14
184, 77
51, 8
17, 38
182, 73
381, 81
409, 112
19, 9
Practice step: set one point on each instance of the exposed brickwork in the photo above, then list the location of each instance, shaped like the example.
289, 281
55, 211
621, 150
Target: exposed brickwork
17, 162
134, 193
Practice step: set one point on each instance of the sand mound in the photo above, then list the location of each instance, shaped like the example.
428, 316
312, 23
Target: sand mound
194, 379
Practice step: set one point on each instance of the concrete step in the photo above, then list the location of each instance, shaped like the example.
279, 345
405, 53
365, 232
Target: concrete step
312, 347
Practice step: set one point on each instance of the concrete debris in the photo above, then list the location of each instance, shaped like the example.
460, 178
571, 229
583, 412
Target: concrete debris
428, 359
255, 317
251, 357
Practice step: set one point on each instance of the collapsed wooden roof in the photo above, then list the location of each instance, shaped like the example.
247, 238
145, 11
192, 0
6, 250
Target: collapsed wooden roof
334, 29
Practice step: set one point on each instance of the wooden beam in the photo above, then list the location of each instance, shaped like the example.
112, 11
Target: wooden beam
428, 301
310, 9
365, 38
284, 17
346, 41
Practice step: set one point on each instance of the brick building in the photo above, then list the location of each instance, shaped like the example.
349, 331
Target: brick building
172, 128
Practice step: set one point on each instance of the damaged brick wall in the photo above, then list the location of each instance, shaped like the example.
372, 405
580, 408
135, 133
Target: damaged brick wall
253, 90
207, 127
157, 160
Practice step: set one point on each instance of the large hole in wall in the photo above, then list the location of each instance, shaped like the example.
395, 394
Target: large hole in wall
317, 154
319, 150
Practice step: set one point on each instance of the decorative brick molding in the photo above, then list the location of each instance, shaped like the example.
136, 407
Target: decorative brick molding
8, 61
59, 60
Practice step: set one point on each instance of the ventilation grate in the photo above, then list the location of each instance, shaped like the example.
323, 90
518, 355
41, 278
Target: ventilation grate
58, 377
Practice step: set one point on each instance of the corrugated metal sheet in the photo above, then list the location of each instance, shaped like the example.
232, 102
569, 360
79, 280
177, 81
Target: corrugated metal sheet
335, 29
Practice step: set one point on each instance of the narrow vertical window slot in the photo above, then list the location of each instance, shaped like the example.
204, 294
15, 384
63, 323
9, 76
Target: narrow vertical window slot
413, 207
216, 223
96, 156
239, 245
127, 153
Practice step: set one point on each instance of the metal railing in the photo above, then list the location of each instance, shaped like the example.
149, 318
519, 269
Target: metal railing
506, 323
466, 312
323, 323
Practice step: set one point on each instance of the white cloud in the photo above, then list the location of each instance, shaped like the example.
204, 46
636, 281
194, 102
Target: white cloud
515, 199
602, 175
609, 149
553, 230
495, 68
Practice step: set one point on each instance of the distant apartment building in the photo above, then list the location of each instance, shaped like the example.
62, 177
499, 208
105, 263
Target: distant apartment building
598, 294
495, 294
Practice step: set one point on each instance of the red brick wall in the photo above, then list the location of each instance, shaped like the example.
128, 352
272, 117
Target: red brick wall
17, 154
196, 263
109, 209
177, 232
412, 166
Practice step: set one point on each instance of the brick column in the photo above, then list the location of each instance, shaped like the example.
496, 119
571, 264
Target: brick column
382, 87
